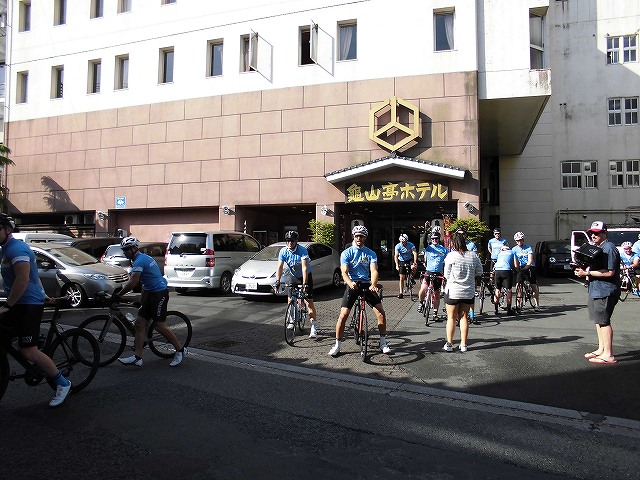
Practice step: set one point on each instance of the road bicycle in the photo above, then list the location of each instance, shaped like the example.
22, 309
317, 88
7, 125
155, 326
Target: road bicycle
359, 322
74, 351
486, 290
524, 294
627, 284
427, 304
296, 313
409, 283
110, 331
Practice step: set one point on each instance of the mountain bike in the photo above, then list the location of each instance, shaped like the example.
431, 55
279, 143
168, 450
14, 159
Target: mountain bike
427, 304
296, 313
110, 331
74, 351
524, 294
359, 322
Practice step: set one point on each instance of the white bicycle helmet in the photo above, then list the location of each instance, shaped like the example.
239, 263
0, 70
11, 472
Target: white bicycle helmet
129, 242
404, 238
360, 230
518, 236
626, 245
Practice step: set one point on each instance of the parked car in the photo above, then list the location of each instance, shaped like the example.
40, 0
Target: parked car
42, 237
94, 246
114, 255
206, 259
553, 257
66, 270
256, 276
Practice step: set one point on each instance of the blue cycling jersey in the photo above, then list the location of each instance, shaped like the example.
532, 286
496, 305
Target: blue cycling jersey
627, 260
434, 257
405, 252
15, 251
635, 248
150, 276
472, 247
522, 254
359, 261
495, 244
504, 260
294, 259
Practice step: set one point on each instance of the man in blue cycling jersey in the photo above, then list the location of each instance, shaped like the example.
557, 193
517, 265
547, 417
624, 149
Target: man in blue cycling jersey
406, 258
630, 261
434, 255
21, 313
296, 257
154, 300
359, 264
503, 276
525, 264
495, 244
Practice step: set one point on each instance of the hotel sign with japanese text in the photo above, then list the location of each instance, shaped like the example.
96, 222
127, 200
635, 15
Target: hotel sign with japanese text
396, 192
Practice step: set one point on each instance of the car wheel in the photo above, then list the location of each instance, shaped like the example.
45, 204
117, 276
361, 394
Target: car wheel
75, 293
336, 280
181, 290
225, 283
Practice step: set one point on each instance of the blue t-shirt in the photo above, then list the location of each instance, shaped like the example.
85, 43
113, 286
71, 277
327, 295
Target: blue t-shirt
504, 260
627, 260
635, 248
434, 257
495, 244
150, 276
599, 287
16, 251
405, 253
359, 261
522, 254
294, 259
472, 246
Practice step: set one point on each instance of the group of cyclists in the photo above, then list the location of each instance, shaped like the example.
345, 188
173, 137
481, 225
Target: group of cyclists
630, 262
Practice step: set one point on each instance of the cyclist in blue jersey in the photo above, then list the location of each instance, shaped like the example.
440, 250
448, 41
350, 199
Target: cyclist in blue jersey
22, 312
631, 261
406, 258
635, 248
495, 244
296, 257
503, 276
359, 264
154, 300
525, 265
434, 256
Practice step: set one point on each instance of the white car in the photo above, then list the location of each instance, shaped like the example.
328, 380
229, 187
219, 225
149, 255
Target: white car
256, 277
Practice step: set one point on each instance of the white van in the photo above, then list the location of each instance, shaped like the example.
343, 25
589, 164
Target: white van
615, 233
206, 259
41, 237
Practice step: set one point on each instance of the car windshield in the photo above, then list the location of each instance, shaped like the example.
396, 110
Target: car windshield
559, 248
269, 253
114, 251
72, 256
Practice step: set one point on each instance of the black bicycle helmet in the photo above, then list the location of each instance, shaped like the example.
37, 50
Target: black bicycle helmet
291, 235
7, 221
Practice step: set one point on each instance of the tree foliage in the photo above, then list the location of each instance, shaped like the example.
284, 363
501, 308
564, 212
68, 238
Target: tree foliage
473, 229
323, 232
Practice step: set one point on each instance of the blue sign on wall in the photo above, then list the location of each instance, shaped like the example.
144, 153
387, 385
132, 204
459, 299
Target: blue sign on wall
121, 202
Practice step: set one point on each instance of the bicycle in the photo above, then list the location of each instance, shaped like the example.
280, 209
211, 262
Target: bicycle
426, 305
111, 331
74, 351
627, 284
524, 294
359, 322
409, 283
296, 313
487, 289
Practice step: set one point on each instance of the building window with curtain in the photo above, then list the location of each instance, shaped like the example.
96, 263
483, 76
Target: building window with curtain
536, 41
443, 28
579, 174
57, 81
95, 67
348, 41
166, 65
214, 59
620, 109
249, 52
122, 72
622, 49
624, 173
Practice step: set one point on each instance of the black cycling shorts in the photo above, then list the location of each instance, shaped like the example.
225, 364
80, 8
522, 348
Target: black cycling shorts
350, 296
531, 273
309, 291
23, 321
503, 277
154, 305
404, 267
437, 279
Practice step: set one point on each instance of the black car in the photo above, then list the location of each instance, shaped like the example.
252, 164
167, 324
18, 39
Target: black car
553, 257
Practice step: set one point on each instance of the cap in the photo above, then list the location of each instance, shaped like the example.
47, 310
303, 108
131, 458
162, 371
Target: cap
597, 227
496, 230
460, 230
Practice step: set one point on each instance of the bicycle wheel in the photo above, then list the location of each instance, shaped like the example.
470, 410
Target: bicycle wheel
76, 354
180, 325
410, 284
624, 288
354, 324
529, 294
290, 323
364, 334
4, 372
428, 305
302, 317
484, 292
519, 297
112, 341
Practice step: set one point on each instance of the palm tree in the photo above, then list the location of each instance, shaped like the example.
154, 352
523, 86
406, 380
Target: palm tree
5, 161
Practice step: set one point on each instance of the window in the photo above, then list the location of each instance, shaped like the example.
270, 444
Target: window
443, 29
124, 6
536, 41
22, 81
348, 41
122, 72
626, 44
57, 81
93, 76
624, 173
305, 57
96, 8
166, 65
60, 12
249, 52
24, 16
214, 58
580, 174
623, 108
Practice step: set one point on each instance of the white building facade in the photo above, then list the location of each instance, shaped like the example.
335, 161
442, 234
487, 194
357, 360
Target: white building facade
155, 115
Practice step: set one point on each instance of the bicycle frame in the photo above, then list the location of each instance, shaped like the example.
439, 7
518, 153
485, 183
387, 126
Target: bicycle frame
295, 314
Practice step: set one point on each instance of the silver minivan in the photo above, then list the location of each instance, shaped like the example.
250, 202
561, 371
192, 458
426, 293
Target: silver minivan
206, 259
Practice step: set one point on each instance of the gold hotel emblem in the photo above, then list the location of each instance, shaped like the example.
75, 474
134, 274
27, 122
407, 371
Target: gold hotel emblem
395, 120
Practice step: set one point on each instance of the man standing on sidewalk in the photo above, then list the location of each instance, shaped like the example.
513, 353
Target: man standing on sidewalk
604, 293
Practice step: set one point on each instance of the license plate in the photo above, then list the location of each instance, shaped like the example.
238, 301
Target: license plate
252, 285
184, 273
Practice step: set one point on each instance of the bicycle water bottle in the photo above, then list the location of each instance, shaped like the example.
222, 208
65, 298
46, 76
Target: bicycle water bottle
471, 314
130, 316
